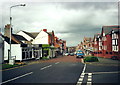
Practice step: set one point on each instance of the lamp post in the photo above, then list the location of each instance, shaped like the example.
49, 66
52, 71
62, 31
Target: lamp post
11, 27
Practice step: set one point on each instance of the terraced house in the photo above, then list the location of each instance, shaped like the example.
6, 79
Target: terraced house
107, 43
30, 45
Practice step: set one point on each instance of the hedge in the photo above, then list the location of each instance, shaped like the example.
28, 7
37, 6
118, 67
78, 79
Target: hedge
91, 59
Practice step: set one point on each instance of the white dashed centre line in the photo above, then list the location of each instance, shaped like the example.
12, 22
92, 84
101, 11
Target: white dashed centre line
57, 62
16, 78
81, 76
45, 67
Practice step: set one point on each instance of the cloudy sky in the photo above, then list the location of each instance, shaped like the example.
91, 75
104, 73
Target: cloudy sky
71, 21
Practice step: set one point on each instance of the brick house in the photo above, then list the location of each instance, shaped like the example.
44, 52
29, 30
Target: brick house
86, 45
106, 44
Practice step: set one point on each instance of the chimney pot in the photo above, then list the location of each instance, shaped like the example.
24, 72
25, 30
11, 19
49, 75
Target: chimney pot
45, 30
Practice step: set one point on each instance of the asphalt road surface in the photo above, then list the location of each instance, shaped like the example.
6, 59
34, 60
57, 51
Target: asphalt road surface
65, 70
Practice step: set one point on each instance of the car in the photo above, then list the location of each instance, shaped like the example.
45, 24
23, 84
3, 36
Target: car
71, 54
79, 54
67, 54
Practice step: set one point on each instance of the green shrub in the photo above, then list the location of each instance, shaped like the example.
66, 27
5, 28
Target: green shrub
45, 58
91, 59
5, 66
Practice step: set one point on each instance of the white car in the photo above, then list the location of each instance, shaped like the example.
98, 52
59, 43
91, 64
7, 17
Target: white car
66, 54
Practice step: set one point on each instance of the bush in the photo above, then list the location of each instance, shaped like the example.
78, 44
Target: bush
45, 58
91, 59
6, 66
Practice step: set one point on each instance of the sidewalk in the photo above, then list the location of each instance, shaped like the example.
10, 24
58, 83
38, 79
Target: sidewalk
105, 62
28, 62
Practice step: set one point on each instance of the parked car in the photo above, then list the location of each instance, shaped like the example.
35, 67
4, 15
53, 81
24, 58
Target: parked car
71, 54
67, 54
114, 57
80, 54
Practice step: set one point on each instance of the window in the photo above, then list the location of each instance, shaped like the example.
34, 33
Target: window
112, 36
113, 42
104, 38
116, 42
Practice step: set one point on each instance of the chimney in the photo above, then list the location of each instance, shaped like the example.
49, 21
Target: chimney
7, 30
45, 30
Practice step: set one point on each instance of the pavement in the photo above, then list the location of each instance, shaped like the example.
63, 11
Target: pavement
105, 62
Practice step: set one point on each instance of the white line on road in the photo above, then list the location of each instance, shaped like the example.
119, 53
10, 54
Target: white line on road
45, 67
89, 74
81, 76
79, 83
16, 78
89, 79
84, 69
89, 83
106, 72
57, 62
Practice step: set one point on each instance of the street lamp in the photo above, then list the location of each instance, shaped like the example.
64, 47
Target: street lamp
11, 27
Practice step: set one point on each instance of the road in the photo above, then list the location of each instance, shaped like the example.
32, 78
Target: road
65, 70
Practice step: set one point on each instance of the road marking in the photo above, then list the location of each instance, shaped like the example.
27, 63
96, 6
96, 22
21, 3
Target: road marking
106, 72
57, 62
80, 80
89, 74
89, 83
89, 79
79, 83
16, 78
84, 69
45, 67
82, 76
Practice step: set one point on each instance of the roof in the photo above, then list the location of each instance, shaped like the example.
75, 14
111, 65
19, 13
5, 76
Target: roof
34, 34
116, 30
19, 37
7, 39
96, 35
15, 39
107, 29
50, 33
30, 34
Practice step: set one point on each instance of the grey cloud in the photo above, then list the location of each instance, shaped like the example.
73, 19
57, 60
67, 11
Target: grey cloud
87, 5
71, 21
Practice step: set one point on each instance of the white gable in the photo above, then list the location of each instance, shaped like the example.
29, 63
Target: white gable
42, 38
27, 37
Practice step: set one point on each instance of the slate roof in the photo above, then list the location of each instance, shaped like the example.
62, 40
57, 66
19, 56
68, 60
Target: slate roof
15, 39
108, 29
7, 39
34, 34
19, 37
116, 30
29, 34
